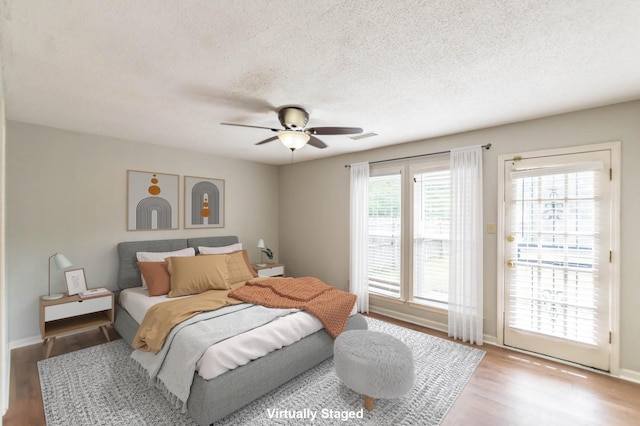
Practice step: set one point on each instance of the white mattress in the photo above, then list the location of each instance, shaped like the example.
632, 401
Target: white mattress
238, 350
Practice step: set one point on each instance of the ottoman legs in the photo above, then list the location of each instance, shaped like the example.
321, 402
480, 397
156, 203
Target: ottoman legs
368, 403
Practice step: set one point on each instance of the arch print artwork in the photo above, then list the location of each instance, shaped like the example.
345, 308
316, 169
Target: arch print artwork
152, 201
203, 202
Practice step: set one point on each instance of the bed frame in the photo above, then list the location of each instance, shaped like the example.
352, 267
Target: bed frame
211, 400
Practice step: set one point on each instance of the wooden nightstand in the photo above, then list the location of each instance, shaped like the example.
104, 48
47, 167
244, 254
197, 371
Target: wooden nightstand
270, 270
71, 314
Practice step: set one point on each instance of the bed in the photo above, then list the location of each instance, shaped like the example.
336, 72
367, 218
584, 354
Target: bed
211, 400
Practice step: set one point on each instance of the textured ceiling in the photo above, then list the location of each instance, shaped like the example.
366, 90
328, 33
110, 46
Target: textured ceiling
169, 72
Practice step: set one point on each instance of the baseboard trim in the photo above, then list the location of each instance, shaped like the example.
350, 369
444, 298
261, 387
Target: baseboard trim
491, 340
630, 375
409, 318
27, 341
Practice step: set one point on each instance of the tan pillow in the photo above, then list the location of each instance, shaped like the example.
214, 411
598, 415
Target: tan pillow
193, 275
237, 270
146, 256
246, 261
156, 275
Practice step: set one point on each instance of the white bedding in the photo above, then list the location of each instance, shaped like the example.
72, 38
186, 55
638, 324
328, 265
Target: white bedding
238, 350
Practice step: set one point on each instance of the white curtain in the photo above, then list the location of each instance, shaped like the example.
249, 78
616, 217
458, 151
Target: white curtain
465, 258
359, 242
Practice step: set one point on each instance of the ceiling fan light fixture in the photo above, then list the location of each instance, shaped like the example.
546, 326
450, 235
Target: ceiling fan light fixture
294, 133
293, 139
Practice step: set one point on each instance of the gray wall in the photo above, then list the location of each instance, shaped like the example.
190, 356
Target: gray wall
4, 318
314, 204
66, 192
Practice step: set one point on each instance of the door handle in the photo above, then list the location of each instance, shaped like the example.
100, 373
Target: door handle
511, 263
511, 238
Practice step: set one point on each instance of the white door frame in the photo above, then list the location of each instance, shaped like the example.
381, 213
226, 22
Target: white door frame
614, 147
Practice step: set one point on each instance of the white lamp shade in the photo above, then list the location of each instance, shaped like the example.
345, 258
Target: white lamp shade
293, 139
261, 244
61, 261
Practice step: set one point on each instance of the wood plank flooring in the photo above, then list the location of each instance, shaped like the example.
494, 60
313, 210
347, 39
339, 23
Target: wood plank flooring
25, 399
508, 388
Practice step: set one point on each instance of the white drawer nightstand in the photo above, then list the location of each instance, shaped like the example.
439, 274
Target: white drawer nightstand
270, 270
71, 314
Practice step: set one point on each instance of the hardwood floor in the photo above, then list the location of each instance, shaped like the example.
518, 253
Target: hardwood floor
508, 388
25, 399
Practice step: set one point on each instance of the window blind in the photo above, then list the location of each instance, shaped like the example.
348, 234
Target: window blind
385, 240
554, 288
431, 223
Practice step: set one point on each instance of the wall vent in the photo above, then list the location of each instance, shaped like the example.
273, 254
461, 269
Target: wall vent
363, 135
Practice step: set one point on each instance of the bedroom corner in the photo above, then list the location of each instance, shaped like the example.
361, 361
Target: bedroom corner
4, 338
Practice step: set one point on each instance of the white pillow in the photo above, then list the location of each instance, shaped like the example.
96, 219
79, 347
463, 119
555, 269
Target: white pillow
220, 250
150, 256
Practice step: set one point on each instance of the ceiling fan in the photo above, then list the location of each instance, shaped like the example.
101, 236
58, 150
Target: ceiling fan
294, 134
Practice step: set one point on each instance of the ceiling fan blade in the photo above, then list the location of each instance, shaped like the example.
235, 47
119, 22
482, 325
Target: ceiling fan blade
273, 138
247, 125
313, 141
334, 130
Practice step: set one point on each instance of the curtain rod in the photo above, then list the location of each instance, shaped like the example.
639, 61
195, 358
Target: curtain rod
487, 146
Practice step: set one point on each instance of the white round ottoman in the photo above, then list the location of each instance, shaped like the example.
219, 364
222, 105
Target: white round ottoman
374, 364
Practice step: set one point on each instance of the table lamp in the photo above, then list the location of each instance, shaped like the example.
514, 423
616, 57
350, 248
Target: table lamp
261, 246
61, 262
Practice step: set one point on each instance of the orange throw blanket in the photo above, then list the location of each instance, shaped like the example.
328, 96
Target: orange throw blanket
330, 305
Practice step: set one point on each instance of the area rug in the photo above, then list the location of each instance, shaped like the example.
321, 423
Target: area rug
100, 386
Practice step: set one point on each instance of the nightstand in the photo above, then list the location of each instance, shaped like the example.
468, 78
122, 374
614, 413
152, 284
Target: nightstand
72, 314
270, 270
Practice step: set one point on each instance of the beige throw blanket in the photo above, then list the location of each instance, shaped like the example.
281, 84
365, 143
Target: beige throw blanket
162, 317
330, 305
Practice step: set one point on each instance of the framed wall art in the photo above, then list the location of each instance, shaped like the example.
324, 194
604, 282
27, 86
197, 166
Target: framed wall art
152, 201
76, 281
203, 202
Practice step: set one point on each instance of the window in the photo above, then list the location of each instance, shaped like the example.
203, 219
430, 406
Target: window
409, 232
431, 236
385, 233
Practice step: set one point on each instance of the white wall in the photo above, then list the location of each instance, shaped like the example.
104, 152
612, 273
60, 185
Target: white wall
4, 318
66, 192
314, 204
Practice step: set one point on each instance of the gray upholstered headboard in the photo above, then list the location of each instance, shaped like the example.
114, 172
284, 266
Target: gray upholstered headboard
211, 241
128, 271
